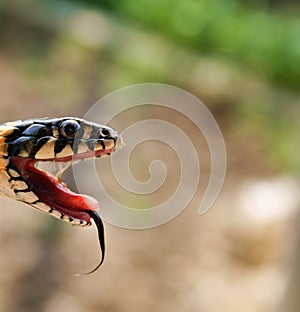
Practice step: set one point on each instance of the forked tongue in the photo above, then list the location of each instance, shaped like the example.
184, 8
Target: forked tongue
99, 224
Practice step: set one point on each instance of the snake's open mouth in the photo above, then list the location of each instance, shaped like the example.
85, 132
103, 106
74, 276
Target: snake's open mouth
51, 191
54, 195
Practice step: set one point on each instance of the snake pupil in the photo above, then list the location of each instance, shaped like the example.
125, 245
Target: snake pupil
69, 128
105, 132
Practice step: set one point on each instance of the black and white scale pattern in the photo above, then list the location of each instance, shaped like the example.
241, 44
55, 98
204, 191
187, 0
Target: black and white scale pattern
47, 139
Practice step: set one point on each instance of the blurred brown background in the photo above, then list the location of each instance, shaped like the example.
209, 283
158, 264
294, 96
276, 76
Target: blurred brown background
242, 60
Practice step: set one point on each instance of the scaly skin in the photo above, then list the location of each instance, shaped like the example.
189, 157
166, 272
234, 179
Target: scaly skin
26, 144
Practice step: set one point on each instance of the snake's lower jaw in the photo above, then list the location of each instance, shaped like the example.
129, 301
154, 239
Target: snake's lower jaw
53, 196
61, 202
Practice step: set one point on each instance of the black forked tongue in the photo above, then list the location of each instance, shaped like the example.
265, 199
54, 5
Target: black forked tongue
94, 215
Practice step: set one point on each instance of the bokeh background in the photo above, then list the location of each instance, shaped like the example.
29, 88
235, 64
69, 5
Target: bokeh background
242, 59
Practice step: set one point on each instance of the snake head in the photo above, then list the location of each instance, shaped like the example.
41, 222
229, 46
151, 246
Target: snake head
31, 144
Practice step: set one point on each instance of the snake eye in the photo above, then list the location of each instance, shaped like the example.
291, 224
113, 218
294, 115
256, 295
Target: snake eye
68, 128
104, 132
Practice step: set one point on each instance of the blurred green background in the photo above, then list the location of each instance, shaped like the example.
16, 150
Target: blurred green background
242, 59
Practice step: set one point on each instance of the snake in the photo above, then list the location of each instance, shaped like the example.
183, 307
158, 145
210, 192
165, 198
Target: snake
34, 154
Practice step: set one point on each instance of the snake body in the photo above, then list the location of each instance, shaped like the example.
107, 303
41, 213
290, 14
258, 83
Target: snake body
27, 145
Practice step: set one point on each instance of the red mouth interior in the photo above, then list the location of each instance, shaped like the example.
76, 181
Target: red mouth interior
52, 192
